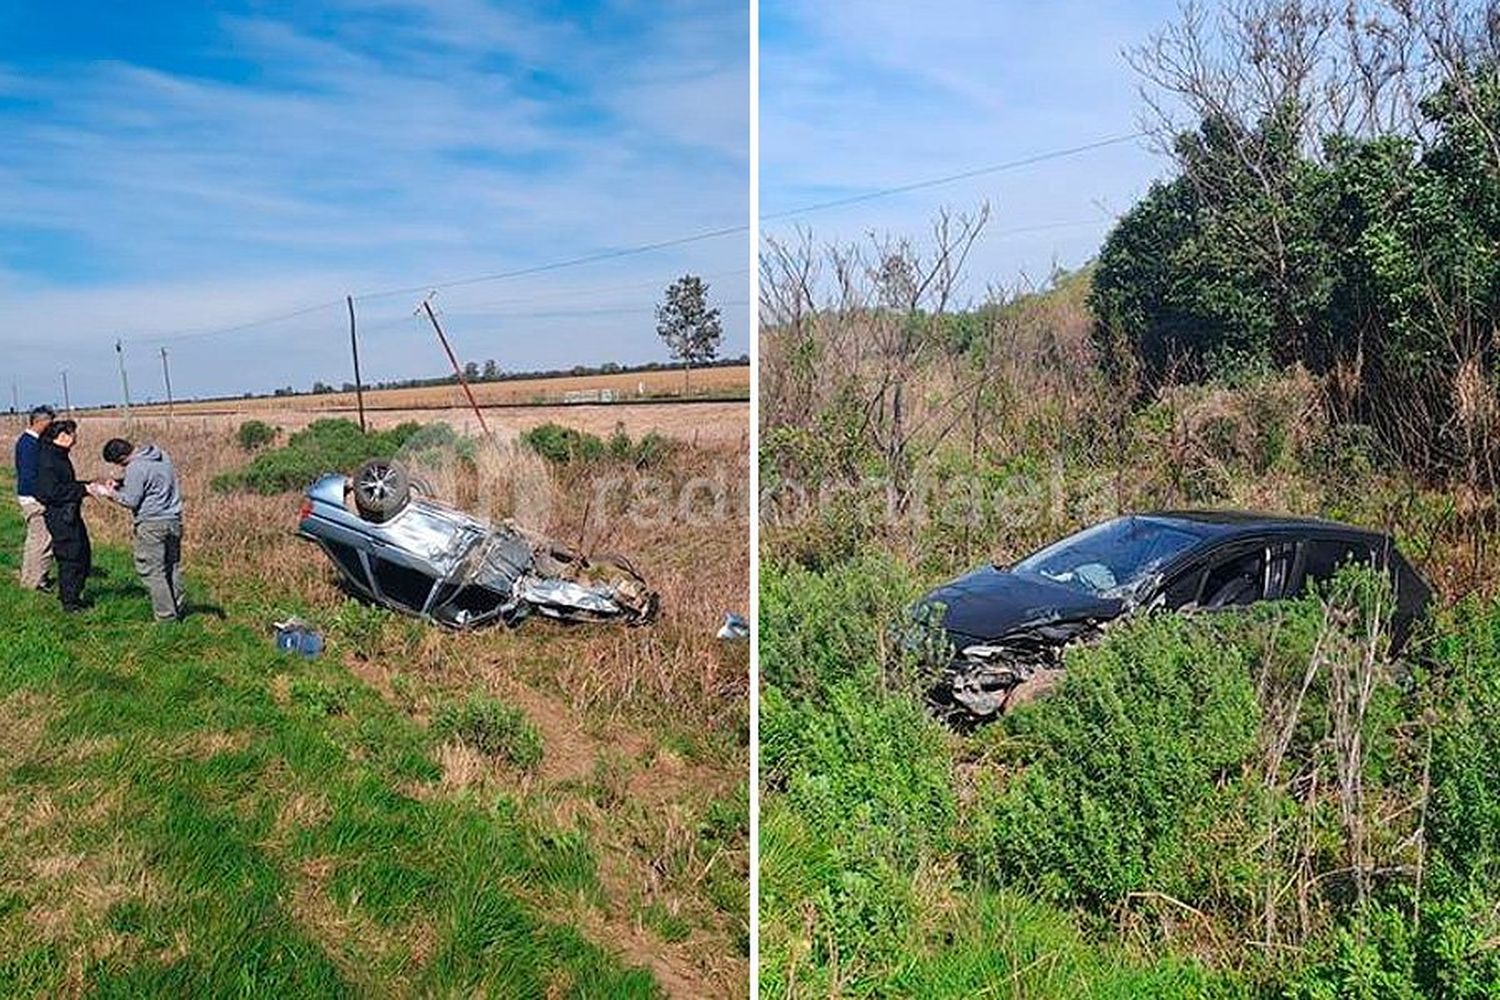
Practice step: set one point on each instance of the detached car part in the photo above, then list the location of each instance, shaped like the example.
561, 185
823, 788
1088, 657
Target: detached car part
396, 545
1002, 630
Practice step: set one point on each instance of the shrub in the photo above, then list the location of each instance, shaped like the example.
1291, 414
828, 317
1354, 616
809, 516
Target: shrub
254, 434
858, 799
866, 770
329, 445
820, 628
650, 450
620, 446
563, 445
858, 787
1464, 695
1115, 773
493, 728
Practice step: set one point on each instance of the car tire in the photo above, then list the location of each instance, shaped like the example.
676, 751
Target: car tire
381, 489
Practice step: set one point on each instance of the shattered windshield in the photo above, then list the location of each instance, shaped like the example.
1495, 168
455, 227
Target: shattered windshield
1112, 558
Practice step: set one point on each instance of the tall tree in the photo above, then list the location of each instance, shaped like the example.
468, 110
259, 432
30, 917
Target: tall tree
688, 324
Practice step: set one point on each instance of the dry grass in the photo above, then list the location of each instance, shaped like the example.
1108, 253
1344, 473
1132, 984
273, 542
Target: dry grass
692, 547
627, 386
710, 423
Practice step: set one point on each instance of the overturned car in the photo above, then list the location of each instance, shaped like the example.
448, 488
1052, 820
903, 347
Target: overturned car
1004, 629
393, 543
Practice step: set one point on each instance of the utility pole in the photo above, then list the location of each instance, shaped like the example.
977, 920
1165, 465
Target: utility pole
124, 379
166, 374
458, 371
359, 386
15, 398
67, 399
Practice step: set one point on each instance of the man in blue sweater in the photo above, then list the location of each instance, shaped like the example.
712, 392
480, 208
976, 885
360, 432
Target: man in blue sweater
36, 554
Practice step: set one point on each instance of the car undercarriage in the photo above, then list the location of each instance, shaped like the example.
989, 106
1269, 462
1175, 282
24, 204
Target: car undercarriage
394, 544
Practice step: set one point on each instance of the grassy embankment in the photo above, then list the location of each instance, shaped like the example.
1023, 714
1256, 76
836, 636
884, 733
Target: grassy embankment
189, 812
541, 812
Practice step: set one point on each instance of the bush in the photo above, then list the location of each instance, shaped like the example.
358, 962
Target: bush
493, 728
1143, 782
563, 445
254, 434
818, 629
1112, 779
646, 452
324, 446
1464, 697
857, 802
857, 781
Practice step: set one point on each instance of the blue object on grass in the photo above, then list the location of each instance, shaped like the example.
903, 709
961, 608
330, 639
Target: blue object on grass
294, 636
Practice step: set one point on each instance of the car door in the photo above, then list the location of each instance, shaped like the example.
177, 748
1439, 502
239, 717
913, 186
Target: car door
1235, 574
1236, 579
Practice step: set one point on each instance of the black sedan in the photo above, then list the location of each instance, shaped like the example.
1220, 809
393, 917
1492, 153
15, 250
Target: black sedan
1009, 625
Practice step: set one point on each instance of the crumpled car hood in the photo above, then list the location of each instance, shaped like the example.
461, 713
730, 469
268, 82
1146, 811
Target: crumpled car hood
989, 603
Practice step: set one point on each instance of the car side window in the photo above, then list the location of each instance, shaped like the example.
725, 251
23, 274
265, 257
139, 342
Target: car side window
1326, 556
1183, 589
1237, 581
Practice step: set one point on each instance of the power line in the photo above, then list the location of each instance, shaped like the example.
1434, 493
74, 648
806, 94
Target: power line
574, 293
560, 264
994, 168
1043, 227
645, 248
248, 325
556, 313
455, 283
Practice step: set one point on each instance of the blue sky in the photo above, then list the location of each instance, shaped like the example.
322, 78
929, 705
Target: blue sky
171, 169
879, 94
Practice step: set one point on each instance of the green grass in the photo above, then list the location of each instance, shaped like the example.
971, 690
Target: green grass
492, 728
189, 812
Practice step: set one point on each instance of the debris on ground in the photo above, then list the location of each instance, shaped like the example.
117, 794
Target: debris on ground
734, 628
296, 636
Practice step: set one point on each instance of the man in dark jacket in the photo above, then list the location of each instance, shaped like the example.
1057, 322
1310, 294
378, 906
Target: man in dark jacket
61, 494
151, 491
36, 552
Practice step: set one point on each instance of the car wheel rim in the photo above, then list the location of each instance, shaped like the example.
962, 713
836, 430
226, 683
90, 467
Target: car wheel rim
377, 484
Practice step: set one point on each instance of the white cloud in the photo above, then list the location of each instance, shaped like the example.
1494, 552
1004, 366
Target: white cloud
413, 142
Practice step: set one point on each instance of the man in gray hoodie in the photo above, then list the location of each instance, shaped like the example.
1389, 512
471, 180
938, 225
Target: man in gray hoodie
151, 491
